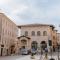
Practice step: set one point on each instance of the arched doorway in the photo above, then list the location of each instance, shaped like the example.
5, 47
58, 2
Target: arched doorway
43, 45
23, 43
34, 45
12, 49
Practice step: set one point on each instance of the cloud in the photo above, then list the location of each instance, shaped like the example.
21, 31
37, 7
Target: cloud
4, 2
35, 10
19, 9
32, 10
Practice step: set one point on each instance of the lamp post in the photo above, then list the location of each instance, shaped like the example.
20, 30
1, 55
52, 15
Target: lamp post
50, 44
51, 50
58, 50
41, 52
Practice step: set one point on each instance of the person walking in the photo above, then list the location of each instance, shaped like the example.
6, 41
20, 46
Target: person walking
41, 53
46, 52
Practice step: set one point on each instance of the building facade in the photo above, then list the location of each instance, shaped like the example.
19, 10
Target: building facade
8, 35
37, 36
31, 36
58, 38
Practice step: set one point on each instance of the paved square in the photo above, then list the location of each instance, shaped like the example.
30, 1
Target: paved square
26, 57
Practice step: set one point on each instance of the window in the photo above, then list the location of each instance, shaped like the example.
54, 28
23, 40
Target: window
38, 33
33, 33
26, 33
44, 33
23, 41
50, 42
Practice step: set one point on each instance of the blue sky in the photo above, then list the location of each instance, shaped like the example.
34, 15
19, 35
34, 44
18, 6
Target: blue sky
32, 11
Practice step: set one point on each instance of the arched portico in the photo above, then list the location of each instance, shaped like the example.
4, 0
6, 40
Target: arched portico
43, 45
12, 47
34, 45
24, 42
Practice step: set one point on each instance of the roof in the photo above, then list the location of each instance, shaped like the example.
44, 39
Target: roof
30, 25
23, 36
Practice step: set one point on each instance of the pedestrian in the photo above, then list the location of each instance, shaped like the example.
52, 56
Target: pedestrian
46, 51
41, 52
32, 53
53, 48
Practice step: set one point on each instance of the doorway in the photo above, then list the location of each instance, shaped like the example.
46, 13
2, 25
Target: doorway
34, 45
23, 43
1, 51
43, 45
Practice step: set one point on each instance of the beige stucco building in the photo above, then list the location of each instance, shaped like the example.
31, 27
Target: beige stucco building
58, 38
8, 35
37, 36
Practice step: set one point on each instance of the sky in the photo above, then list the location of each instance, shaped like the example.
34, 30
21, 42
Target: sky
32, 11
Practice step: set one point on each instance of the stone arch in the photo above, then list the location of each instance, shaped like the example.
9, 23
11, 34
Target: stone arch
38, 33
33, 33
34, 45
43, 45
44, 33
12, 47
23, 43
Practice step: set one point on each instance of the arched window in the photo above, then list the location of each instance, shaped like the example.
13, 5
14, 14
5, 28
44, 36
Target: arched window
44, 33
33, 33
38, 33
26, 33
24, 41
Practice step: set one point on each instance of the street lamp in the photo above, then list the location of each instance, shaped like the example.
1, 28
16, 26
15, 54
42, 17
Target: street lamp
41, 52
58, 50
51, 50
50, 44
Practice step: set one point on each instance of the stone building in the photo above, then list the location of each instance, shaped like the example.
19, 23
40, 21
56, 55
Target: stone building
32, 36
37, 36
8, 35
58, 38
